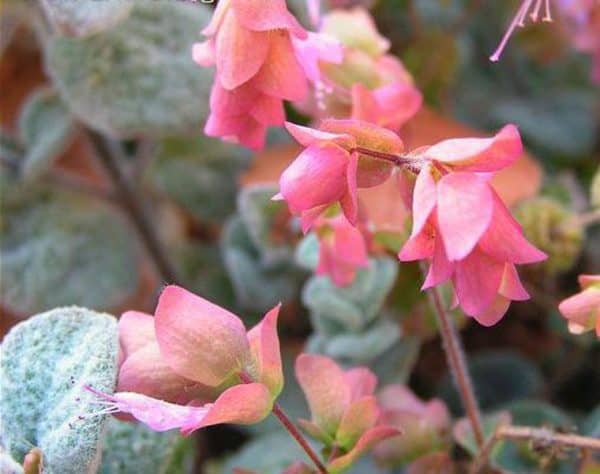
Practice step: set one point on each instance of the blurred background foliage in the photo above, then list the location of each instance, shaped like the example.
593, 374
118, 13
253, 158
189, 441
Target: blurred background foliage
69, 70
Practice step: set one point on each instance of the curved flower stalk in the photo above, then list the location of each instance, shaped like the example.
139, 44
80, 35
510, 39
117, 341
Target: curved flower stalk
583, 309
194, 365
345, 412
365, 83
464, 229
519, 21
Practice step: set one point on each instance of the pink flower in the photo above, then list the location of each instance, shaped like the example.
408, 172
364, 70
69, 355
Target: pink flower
250, 43
330, 170
342, 249
583, 309
361, 81
426, 426
194, 365
344, 410
464, 229
519, 20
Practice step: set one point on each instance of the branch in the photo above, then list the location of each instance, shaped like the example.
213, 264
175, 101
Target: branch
132, 203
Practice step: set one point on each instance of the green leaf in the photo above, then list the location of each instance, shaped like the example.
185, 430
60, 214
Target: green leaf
132, 447
498, 377
137, 79
59, 248
307, 252
464, 436
8, 465
268, 222
85, 17
46, 129
591, 425
258, 285
46, 360
200, 175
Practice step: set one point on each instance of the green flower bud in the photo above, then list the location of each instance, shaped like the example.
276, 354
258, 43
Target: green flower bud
553, 228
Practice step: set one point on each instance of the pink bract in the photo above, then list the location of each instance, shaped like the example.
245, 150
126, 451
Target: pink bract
583, 309
183, 368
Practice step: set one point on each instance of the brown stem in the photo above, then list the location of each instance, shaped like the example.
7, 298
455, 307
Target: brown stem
134, 207
291, 428
548, 436
456, 362
394, 159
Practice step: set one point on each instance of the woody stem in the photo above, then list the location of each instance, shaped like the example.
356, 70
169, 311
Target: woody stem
291, 428
457, 364
394, 159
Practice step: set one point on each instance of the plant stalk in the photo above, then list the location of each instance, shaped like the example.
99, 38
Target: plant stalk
456, 362
134, 207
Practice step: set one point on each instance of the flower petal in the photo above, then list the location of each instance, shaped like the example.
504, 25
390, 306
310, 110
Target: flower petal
349, 200
259, 15
479, 154
364, 444
440, 269
511, 286
424, 199
582, 309
493, 313
236, 62
307, 136
464, 210
359, 418
266, 355
136, 330
204, 53
419, 247
243, 404
146, 372
198, 339
324, 385
362, 382
316, 177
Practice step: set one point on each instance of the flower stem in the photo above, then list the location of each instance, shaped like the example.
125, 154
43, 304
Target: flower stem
589, 218
132, 203
291, 428
288, 425
458, 367
394, 159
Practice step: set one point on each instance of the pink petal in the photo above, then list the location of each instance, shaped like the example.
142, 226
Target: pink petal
349, 200
325, 164
217, 19
465, 208
359, 418
479, 154
241, 129
440, 269
362, 382
308, 217
586, 281
511, 286
424, 199
268, 110
314, 11
364, 105
476, 282
236, 62
204, 53
281, 74
156, 414
504, 238
236, 102
307, 136
244, 404
349, 243
198, 339
420, 246
315, 432
259, 15
582, 309
399, 102
136, 330
324, 385
364, 444
264, 344
146, 372
315, 48
493, 313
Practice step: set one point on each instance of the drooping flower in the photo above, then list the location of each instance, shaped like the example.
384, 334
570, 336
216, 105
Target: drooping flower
365, 83
462, 226
194, 365
330, 169
583, 309
519, 20
342, 249
425, 426
343, 406
250, 43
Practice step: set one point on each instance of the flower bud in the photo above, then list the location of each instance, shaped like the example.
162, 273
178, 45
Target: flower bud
595, 190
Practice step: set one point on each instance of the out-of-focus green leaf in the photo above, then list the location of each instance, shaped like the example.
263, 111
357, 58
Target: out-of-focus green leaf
45, 362
591, 424
138, 78
464, 436
498, 377
45, 127
85, 17
199, 174
132, 447
60, 248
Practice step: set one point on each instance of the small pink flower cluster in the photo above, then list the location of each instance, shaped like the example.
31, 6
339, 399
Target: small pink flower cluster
460, 225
